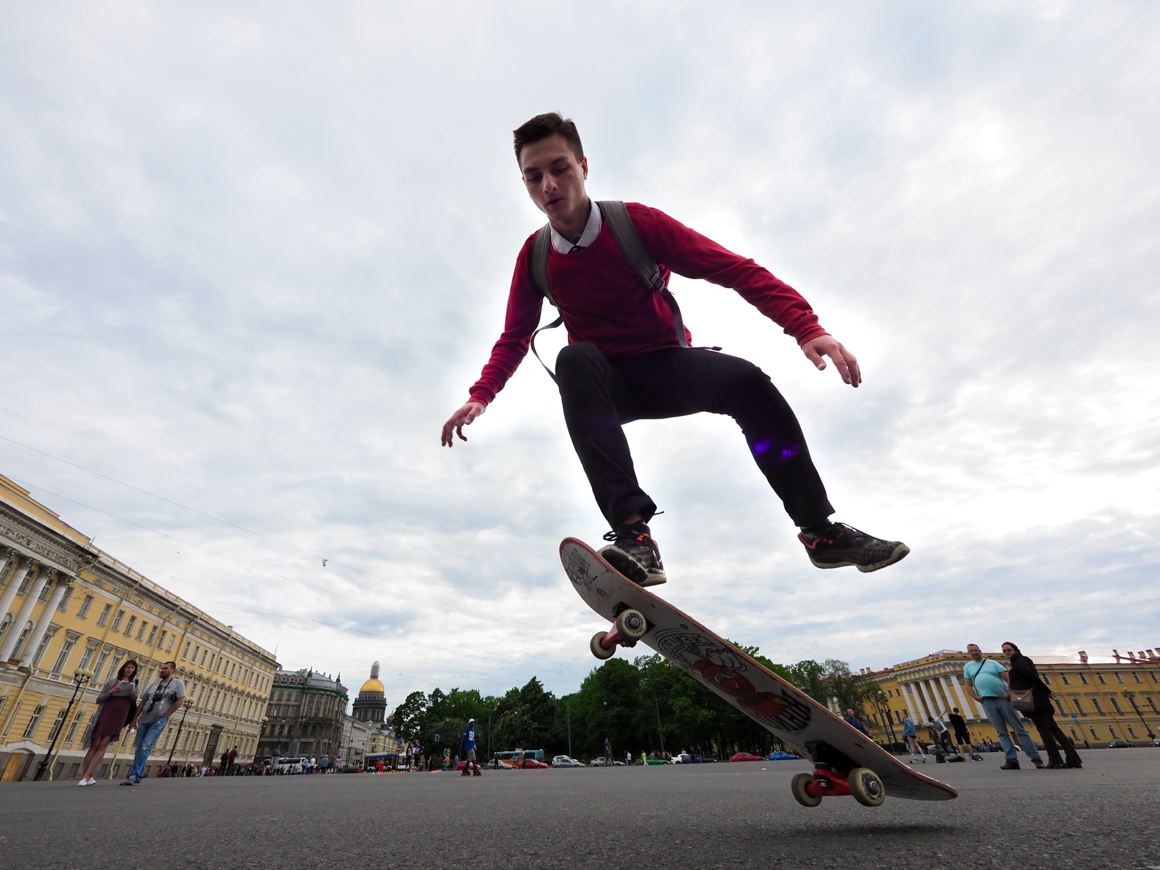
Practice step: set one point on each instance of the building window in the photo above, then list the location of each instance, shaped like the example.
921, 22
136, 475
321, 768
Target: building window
129, 627
33, 723
153, 634
1046, 679
1066, 681
72, 729
87, 657
1115, 703
1094, 735
44, 590
1083, 679
141, 630
85, 605
68, 591
1137, 676
1096, 704
211, 661
204, 653
1112, 731
104, 657
20, 640
26, 582
1155, 676
172, 638
1100, 677
56, 726
62, 656
120, 618
104, 618
1151, 703
4, 623
1119, 679
1059, 704
1131, 731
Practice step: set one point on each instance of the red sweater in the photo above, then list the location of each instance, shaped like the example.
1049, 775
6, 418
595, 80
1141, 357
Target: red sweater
606, 304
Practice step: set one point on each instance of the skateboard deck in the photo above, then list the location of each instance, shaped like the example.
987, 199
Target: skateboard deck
760, 694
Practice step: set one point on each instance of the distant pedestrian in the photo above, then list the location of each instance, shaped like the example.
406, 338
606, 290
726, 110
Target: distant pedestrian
232, 761
326, 764
987, 682
118, 703
941, 735
607, 752
313, 764
627, 758
160, 700
962, 735
1025, 676
910, 735
644, 758
446, 758
224, 763
855, 722
467, 747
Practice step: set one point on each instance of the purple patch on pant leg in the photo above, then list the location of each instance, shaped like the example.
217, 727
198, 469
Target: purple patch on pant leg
761, 446
789, 452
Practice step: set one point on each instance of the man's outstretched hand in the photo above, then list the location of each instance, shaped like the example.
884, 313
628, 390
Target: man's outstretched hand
459, 419
828, 346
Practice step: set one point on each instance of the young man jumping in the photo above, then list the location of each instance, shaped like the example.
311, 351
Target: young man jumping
626, 361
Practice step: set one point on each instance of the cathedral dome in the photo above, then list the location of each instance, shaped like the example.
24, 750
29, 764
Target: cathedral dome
371, 703
372, 685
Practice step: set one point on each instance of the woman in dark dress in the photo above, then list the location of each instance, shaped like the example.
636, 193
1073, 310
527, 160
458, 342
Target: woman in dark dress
1024, 676
118, 700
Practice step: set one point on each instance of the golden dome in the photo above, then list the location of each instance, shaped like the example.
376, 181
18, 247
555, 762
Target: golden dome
374, 684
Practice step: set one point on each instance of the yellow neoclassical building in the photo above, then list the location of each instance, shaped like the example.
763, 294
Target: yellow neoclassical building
1098, 698
68, 607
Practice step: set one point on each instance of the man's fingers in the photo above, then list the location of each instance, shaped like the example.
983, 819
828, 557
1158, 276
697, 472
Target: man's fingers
816, 358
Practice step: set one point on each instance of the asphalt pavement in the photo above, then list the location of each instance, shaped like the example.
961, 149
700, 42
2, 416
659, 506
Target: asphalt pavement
738, 815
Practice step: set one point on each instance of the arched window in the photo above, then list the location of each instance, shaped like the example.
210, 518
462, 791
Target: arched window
4, 623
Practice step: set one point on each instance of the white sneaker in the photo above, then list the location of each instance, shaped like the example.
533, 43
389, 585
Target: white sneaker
86, 781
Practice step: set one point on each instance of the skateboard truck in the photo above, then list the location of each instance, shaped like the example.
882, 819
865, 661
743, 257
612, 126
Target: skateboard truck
835, 773
630, 626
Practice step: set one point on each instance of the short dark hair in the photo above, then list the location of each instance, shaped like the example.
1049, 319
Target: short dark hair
171, 663
543, 126
1018, 651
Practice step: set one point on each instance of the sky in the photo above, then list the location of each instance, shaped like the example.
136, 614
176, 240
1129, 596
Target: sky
251, 258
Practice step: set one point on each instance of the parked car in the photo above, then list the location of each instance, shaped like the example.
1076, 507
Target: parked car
682, 758
778, 755
599, 762
704, 759
565, 761
496, 764
746, 756
1155, 742
532, 764
1119, 744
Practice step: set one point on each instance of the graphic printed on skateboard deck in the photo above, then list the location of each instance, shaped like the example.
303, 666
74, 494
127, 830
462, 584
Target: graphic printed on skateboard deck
846, 762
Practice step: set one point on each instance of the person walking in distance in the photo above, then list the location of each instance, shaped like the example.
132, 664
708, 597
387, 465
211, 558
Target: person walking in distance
962, 735
987, 683
910, 735
117, 700
854, 722
607, 752
1024, 676
467, 749
160, 700
629, 356
941, 735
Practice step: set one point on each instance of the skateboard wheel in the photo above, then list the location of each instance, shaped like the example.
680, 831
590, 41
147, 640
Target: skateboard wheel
632, 624
598, 648
866, 787
799, 785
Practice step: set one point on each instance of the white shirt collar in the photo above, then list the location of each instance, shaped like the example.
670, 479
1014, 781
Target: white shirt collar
591, 231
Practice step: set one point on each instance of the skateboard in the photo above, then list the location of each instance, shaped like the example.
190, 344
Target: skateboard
846, 762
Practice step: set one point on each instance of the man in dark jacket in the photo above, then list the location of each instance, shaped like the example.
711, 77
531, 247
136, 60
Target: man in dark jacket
853, 720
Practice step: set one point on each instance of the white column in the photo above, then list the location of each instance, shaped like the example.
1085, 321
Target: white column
18, 576
917, 707
966, 708
926, 703
25, 612
45, 619
934, 684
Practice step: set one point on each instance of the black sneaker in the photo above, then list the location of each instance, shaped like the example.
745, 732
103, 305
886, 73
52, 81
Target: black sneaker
635, 555
843, 545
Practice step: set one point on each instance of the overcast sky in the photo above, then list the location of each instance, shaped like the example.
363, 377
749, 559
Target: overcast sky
251, 257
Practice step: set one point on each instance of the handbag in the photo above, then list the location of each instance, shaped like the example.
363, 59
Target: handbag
1022, 700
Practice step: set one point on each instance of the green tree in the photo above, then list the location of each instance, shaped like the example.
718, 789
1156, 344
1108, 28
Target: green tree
410, 717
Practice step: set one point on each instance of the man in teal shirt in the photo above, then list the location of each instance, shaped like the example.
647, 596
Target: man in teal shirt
987, 683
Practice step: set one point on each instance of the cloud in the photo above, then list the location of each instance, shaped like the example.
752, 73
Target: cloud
252, 259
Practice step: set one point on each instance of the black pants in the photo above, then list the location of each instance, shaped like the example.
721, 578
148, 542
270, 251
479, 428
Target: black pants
1053, 738
601, 393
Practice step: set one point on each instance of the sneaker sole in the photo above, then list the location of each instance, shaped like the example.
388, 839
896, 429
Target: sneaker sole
631, 569
900, 553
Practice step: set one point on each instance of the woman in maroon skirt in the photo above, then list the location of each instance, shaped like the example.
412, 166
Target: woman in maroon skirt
118, 700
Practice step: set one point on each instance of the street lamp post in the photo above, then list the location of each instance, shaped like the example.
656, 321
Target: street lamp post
80, 677
177, 736
1131, 696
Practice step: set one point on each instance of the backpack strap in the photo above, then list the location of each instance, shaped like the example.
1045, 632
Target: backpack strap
633, 249
620, 224
540, 276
